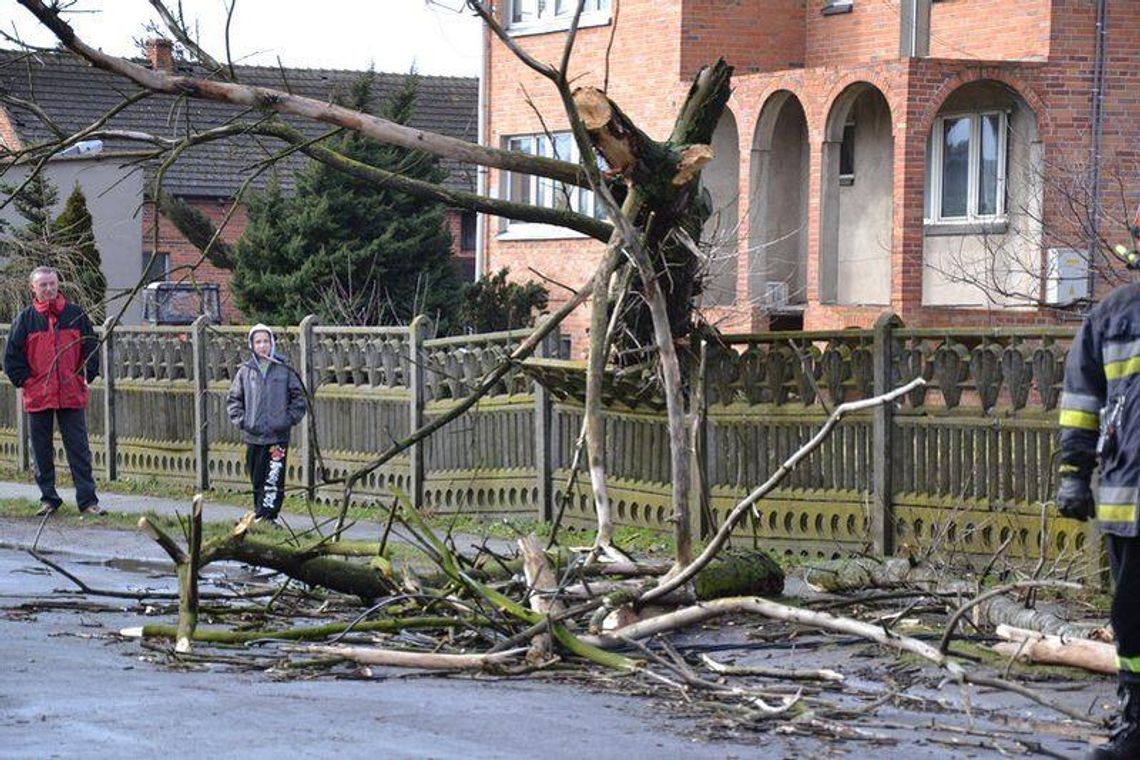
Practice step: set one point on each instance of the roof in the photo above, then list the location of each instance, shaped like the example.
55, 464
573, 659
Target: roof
74, 95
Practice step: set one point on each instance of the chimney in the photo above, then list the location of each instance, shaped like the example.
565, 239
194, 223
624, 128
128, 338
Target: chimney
160, 53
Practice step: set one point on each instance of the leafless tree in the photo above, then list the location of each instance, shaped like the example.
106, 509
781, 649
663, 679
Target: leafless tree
651, 196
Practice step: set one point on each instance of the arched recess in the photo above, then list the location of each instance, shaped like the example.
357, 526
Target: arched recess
983, 200
720, 236
857, 199
778, 207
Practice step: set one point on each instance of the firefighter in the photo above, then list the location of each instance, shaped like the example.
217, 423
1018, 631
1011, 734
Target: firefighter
1100, 427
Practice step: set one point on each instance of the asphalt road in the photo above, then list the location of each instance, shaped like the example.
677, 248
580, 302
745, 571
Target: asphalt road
70, 686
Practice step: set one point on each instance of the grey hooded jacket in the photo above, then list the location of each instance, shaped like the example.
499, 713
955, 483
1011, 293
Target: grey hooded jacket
265, 407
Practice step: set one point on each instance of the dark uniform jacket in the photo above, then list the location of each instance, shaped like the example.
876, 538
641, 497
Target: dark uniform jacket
1101, 402
51, 354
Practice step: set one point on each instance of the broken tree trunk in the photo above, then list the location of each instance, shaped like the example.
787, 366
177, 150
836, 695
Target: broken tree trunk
314, 564
664, 208
186, 567
1031, 646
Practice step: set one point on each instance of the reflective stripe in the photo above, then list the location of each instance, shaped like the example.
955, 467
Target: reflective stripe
1080, 402
1120, 369
1071, 418
1131, 664
1116, 513
1117, 352
1117, 494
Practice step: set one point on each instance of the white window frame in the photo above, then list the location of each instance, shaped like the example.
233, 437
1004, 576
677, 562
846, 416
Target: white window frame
556, 15
579, 199
933, 215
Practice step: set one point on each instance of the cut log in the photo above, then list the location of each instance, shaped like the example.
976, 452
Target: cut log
857, 573
1035, 647
739, 573
1007, 611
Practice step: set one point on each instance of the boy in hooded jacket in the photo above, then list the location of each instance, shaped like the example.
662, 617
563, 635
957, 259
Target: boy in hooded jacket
266, 400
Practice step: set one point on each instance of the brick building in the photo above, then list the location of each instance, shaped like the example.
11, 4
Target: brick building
934, 158
206, 176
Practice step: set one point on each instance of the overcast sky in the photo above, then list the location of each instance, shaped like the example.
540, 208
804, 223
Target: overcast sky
347, 34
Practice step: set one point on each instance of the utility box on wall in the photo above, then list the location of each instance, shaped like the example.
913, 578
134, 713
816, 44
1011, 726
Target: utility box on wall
1066, 276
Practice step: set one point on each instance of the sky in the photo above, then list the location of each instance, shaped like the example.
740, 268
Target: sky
392, 35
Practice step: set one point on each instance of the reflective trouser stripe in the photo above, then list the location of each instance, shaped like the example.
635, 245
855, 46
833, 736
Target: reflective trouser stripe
1116, 513
1117, 370
1131, 664
1074, 418
1117, 504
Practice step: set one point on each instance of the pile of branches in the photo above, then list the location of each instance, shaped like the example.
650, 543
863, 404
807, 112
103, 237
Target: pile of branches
348, 606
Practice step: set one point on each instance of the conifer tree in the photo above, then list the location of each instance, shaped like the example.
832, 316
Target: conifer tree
77, 256
345, 249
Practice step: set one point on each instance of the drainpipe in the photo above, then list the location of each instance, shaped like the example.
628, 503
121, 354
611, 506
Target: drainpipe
1097, 121
480, 170
914, 29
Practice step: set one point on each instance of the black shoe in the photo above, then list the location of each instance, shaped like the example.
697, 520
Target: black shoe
47, 508
1125, 740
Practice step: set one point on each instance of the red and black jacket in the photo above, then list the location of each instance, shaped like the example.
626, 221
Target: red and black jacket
51, 354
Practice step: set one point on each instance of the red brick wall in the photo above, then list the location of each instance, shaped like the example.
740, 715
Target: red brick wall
752, 35
971, 29
870, 32
184, 256
8, 137
861, 46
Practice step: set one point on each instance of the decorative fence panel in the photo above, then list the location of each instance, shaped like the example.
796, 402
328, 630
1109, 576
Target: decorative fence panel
484, 461
961, 465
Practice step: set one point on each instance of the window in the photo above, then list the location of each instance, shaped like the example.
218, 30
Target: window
965, 168
467, 231
847, 155
540, 191
534, 16
831, 7
155, 269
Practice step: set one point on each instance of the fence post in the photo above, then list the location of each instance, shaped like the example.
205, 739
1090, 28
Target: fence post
22, 455
543, 420
201, 438
308, 428
700, 506
882, 452
110, 433
417, 363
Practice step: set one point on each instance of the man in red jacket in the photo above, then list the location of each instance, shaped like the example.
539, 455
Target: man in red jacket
51, 354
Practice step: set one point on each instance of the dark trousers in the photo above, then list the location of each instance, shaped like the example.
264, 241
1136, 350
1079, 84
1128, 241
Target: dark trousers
266, 466
1124, 562
73, 431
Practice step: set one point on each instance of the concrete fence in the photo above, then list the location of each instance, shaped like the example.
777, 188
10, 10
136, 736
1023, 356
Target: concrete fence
960, 466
